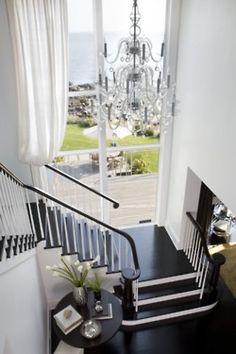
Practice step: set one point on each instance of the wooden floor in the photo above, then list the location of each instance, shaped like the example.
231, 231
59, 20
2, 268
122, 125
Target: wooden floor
157, 255
212, 334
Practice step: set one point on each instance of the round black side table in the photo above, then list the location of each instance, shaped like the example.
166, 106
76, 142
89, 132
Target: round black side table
109, 326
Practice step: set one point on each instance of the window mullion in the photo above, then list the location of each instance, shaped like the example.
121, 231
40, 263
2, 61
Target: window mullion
98, 30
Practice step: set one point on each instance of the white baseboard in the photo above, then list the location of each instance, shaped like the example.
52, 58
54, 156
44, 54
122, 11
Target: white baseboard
172, 235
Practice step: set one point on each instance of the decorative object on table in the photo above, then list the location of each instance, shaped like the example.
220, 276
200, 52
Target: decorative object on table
76, 273
68, 319
91, 329
139, 93
98, 306
105, 314
80, 295
221, 225
95, 284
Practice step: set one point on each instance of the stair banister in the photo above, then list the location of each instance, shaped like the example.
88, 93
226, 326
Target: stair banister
128, 274
217, 260
75, 210
84, 185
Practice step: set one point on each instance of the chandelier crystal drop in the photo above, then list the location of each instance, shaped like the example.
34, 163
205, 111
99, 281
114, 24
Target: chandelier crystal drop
133, 91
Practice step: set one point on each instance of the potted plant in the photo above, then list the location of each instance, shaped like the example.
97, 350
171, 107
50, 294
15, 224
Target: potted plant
76, 273
95, 284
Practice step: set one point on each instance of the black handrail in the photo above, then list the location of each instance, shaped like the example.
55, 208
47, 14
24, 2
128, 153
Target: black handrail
75, 180
217, 259
77, 211
210, 258
10, 174
107, 226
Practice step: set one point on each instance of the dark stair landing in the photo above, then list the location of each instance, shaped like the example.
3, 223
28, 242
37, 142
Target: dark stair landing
157, 255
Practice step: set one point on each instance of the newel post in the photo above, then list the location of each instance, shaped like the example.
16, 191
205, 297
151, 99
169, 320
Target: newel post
128, 295
219, 260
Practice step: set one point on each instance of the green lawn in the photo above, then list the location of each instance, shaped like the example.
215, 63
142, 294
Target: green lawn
75, 140
150, 156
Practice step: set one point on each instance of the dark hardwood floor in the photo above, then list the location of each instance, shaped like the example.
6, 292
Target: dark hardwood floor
157, 255
215, 333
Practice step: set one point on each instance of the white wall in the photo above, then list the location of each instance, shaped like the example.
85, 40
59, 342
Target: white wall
23, 310
204, 132
8, 103
22, 302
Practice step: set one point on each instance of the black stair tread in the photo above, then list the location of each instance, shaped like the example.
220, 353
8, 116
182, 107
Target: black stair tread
167, 291
54, 225
97, 241
69, 246
112, 242
164, 310
2, 243
166, 285
41, 210
85, 235
60, 222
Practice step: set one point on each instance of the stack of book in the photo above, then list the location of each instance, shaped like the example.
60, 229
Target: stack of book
68, 319
106, 314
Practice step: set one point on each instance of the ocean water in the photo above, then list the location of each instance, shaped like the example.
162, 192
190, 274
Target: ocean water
82, 61
82, 67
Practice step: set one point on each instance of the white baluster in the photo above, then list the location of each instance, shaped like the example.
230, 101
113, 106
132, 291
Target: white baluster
202, 271
39, 216
199, 265
186, 237
48, 223
204, 280
112, 252
82, 237
73, 232
56, 223
30, 213
67, 244
197, 251
119, 252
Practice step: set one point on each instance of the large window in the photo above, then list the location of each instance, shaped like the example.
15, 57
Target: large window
116, 21
82, 68
131, 172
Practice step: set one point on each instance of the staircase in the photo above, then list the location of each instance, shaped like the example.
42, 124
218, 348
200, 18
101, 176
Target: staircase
29, 216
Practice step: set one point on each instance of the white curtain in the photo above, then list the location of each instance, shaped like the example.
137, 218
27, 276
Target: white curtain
39, 30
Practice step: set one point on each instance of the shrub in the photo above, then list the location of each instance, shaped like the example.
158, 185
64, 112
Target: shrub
140, 166
72, 119
87, 122
149, 131
58, 159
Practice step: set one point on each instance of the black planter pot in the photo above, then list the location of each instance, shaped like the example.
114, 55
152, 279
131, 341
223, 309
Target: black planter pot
97, 295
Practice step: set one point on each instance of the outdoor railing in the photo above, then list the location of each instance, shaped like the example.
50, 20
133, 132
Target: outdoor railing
83, 185
131, 180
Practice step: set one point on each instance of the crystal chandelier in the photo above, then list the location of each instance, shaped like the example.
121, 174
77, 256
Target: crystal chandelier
133, 91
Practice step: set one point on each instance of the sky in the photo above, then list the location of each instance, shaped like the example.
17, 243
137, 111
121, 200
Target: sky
116, 15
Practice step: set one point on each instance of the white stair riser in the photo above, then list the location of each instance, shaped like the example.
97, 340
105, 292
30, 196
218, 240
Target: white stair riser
169, 317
